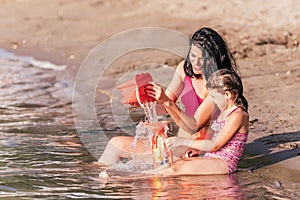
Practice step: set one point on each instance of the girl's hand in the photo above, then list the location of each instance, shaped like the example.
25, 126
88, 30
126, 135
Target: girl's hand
173, 142
170, 143
178, 145
157, 92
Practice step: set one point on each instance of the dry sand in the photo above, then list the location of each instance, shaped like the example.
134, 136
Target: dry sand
264, 36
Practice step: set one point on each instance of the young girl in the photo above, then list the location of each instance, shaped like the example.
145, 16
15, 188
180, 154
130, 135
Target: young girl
230, 131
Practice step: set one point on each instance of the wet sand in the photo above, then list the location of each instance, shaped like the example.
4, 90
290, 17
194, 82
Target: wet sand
264, 38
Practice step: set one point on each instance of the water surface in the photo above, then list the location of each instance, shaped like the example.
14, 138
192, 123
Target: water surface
42, 157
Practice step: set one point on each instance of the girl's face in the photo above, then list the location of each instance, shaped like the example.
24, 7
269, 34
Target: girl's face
220, 99
196, 59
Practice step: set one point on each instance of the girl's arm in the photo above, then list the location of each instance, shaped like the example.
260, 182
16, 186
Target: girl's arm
233, 124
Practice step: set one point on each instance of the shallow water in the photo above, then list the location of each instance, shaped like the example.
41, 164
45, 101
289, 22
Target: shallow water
42, 157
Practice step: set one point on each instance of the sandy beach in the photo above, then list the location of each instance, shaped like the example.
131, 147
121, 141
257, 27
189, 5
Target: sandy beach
264, 37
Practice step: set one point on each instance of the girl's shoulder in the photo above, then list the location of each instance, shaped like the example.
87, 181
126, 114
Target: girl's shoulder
239, 115
238, 119
243, 118
239, 112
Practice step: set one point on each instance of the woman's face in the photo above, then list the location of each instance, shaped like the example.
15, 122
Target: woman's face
196, 59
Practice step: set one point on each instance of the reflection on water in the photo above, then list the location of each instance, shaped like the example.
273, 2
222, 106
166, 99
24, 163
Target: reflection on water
41, 156
181, 187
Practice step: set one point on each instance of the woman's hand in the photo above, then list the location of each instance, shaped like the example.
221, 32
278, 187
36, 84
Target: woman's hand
157, 92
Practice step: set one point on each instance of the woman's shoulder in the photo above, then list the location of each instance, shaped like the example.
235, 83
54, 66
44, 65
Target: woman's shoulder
180, 69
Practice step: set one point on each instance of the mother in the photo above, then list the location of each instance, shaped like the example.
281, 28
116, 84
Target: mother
208, 53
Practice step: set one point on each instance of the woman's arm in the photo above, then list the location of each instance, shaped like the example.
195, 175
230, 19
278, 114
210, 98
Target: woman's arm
171, 93
169, 97
174, 88
192, 124
205, 113
183, 120
176, 85
168, 100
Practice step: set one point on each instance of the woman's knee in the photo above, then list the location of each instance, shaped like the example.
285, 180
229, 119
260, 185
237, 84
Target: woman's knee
119, 141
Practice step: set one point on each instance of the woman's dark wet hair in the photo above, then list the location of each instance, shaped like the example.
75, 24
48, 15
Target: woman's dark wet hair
216, 55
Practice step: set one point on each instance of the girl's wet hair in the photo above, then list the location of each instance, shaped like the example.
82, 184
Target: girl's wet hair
226, 80
215, 53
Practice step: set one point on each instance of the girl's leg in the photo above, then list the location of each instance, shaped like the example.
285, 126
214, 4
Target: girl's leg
194, 166
121, 147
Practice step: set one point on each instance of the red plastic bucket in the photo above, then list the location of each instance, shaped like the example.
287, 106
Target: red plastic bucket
133, 91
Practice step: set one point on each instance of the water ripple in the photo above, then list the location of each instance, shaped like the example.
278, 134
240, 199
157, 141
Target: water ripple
42, 157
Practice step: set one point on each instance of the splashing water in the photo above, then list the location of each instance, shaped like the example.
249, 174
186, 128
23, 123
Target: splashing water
137, 164
152, 134
150, 112
143, 129
144, 133
149, 136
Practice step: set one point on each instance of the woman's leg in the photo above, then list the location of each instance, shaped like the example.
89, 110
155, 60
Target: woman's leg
194, 166
121, 147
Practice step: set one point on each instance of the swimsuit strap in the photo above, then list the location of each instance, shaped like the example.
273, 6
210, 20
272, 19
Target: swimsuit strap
232, 111
223, 121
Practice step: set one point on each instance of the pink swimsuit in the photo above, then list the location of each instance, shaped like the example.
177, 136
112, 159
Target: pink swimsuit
233, 150
189, 98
